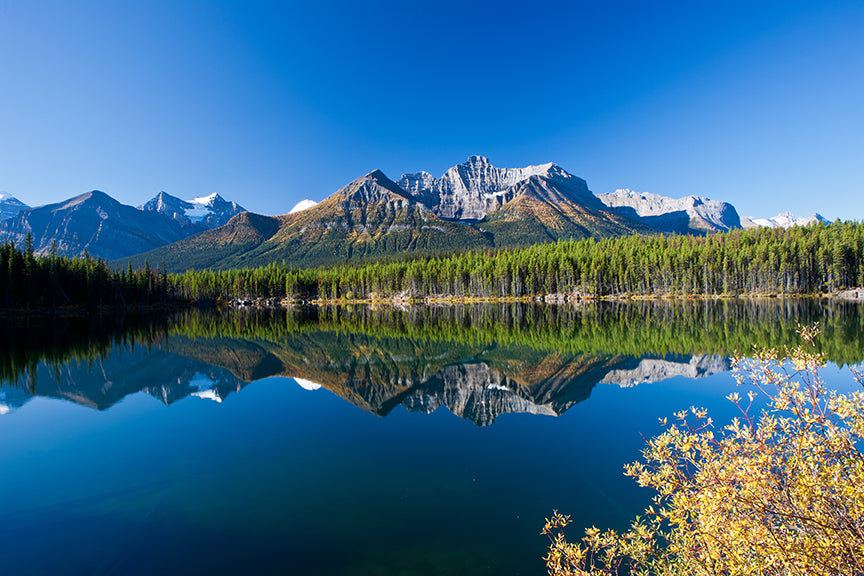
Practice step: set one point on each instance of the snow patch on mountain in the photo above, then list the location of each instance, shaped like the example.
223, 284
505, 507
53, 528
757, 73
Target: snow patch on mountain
201, 213
207, 395
302, 205
307, 384
205, 200
204, 387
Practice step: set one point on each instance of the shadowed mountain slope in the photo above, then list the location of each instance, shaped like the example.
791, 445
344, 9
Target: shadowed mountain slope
93, 222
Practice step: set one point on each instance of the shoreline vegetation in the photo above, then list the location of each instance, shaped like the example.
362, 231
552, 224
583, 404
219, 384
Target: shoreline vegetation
816, 261
775, 491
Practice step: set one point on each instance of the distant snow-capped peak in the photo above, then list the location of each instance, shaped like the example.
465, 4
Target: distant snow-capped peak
201, 207
207, 211
302, 205
694, 213
207, 200
782, 220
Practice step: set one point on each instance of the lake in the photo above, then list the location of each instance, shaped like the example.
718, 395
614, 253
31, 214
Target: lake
354, 440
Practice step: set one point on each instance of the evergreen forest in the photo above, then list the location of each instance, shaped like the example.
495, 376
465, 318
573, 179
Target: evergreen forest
816, 259
55, 282
812, 260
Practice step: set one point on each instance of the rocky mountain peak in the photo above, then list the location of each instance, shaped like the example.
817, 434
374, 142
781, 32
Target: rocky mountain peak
375, 187
202, 213
10, 206
93, 222
470, 190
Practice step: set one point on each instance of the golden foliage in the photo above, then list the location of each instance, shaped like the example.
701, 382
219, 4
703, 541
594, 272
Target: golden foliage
779, 492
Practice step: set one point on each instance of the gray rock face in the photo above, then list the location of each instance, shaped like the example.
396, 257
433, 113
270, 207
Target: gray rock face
649, 370
472, 391
92, 222
10, 206
475, 188
674, 215
197, 214
374, 188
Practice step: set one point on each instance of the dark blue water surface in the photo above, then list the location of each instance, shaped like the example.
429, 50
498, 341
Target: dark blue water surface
155, 452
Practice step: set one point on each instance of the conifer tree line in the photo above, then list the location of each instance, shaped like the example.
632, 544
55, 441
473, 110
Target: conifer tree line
52, 282
800, 260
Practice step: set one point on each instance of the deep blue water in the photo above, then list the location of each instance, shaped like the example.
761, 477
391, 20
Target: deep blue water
277, 479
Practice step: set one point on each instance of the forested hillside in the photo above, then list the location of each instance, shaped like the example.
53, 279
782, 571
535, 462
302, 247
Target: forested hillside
800, 260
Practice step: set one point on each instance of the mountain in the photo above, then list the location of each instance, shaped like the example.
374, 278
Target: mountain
783, 220
475, 188
102, 382
472, 206
647, 370
475, 382
369, 217
198, 214
93, 222
10, 206
691, 214
547, 208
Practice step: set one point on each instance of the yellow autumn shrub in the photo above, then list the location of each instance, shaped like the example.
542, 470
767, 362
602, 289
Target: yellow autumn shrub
780, 492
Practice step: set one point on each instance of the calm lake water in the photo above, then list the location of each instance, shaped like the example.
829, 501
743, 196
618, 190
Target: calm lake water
353, 441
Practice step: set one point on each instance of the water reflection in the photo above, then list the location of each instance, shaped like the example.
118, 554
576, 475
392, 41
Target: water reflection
477, 361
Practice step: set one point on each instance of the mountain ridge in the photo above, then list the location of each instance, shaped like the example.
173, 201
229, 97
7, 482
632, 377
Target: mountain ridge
96, 224
93, 223
473, 206
690, 214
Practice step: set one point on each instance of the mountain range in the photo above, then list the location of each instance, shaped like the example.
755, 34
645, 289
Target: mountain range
477, 383
94, 223
473, 205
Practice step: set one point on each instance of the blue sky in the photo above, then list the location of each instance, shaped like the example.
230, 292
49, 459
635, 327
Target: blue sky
268, 103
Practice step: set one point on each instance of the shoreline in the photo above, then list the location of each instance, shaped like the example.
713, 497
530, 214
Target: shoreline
566, 299
853, 295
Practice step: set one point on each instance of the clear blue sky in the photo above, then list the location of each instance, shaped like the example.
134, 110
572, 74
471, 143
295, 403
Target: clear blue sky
267, 103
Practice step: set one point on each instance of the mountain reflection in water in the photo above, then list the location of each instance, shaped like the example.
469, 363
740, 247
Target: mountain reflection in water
478, 361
